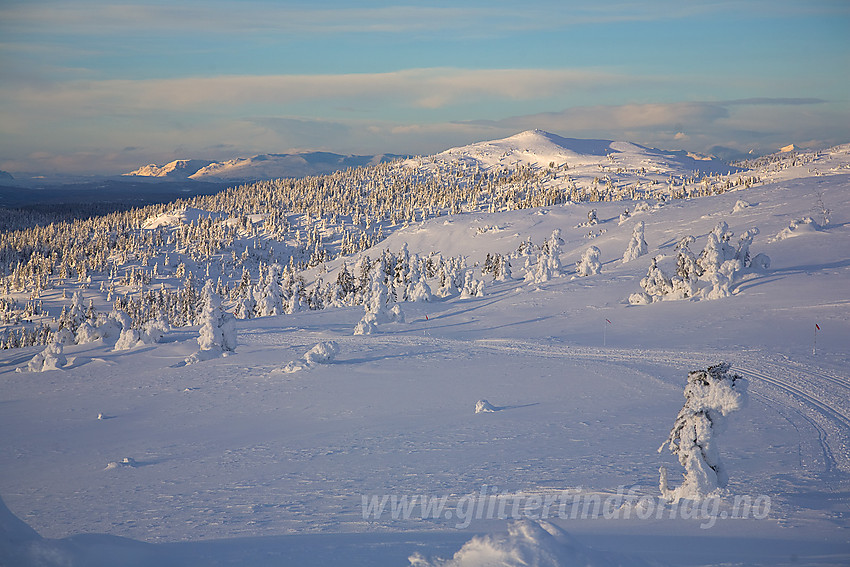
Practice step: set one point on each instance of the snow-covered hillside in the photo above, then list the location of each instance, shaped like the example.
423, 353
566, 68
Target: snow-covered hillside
376, 310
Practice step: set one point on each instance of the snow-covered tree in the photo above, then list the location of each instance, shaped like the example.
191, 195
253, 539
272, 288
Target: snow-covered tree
269, 298
684, 283
552, 250
472, 287
590, 263
717, 250
217, 335
51, 358
710, 395
637, 244
655, 286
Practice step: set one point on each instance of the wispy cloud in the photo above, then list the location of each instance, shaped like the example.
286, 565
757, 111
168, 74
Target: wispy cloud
422, 88
226, 17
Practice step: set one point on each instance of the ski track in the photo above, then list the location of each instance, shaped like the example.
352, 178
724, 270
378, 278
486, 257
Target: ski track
816, 398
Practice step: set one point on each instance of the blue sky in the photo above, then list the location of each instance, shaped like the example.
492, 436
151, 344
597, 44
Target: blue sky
94, 87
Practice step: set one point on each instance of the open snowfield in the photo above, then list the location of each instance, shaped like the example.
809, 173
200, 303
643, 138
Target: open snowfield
132, 457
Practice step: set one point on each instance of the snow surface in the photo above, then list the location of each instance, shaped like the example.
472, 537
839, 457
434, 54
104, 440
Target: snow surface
231, 461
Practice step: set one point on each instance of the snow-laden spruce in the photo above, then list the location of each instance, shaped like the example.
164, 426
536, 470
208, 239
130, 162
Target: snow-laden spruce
217, 336
379, 305
590, 264
637, 246
710, 395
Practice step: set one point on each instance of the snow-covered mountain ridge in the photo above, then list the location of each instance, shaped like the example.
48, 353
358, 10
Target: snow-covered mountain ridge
258, 167
543, 149
531, 148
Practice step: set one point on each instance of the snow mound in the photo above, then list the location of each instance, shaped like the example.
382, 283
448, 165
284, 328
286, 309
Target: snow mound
528, 543
322, 353
483, 406
125, 462
805, 225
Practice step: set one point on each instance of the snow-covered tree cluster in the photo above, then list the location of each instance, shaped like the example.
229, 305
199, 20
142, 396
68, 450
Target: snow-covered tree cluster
719, 266
710, 395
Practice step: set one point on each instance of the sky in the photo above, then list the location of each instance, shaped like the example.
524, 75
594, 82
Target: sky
102, 87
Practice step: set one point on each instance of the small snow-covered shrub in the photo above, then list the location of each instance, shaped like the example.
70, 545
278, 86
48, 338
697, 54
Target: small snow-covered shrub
128, 339
483, 406
153, 331
396, 315
51, 358
805, 225
640, 298
322, 353
740, 205
710, 395
63, 336
760, 263
367, 325
86, 333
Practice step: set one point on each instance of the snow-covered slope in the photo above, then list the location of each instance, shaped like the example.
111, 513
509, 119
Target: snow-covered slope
263, 458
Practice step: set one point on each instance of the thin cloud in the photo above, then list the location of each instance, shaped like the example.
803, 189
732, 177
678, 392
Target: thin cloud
219, 17
773, 101
422, 88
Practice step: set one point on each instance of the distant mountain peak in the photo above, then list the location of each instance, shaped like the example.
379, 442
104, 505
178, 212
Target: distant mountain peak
261, 166
177, 169
539, 148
